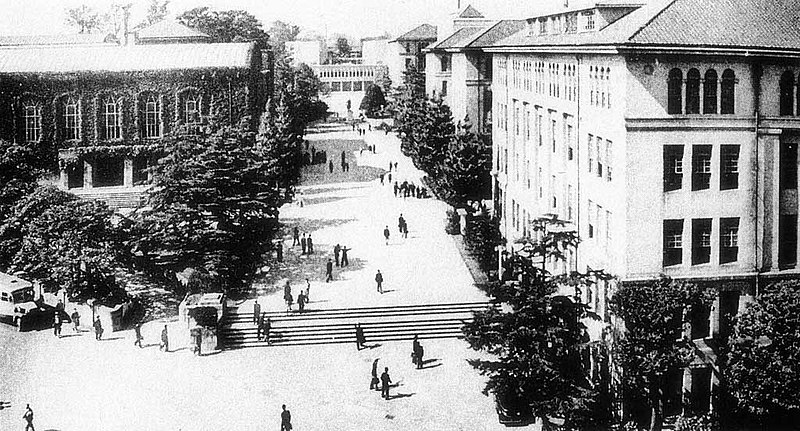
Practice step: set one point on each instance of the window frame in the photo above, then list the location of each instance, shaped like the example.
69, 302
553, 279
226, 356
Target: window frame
32, 122
71, 117
151, 123
112, 121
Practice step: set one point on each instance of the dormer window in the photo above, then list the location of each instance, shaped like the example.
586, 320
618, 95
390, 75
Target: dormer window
543, 26
589, 20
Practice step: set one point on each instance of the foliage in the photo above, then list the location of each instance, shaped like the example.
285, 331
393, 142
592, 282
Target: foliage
156, 11
84, 18
537, 337
652, 345
453, 226
762, 369
225, 26
482, 236
342, 46
697, 423
279, 33
373, 100
464, 174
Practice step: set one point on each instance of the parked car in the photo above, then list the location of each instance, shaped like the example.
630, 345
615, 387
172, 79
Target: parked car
513, 409
16, 298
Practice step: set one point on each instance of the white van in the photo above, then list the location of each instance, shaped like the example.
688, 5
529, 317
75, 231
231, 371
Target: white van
16, 297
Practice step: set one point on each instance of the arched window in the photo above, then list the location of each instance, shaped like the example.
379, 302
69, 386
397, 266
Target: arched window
152, 116
727, 93
191, 107
710, 92
112, 118
674, 97
787, 93
693, 92
32, 117
72, 119
602, 87
608, 87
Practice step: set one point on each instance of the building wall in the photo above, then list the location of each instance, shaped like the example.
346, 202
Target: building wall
347, 82
307, 51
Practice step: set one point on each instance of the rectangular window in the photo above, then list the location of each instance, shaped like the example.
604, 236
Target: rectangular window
71, 120
589, 21
539, 129
113, 123
553, 190
673, 242
608, 228
788, 166
701, 167
358, 86
516, 119
729, 167
539, 182
347, 86
787, 242
553, 134
591, 219
542, 25
590, 152
701, 241
599, 154
336, 86
152, 118
444, 88
673, 167
570, 197
609, 154
728, 240
33, 123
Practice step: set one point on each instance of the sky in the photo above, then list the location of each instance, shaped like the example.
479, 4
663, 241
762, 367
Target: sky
355, 18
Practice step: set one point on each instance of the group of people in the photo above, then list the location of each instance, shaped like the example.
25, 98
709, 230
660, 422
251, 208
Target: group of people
306, 243
406, 189
384, 380
402, 226
417, 353
302, 297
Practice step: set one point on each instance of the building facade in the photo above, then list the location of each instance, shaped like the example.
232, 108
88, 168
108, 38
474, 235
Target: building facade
668, 143
347, 83
409, 49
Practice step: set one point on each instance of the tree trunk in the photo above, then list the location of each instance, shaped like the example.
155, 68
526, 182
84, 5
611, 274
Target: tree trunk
656, 413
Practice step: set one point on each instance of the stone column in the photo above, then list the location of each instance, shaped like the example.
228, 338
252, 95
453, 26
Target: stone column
714, 317
462, 214
127, 176
686, 391
63, 179
87, 175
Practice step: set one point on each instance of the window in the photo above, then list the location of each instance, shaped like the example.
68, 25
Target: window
599, 154
673, 167
542, 26
701, 241
787, 93
674, 96
727, 93
728, 240
570, 197
539, 182
787, 241
72, 119
710, 92
591, 219
571, 24
152, 117
358, 86
444, 88
590, 152
553, 134
693, 92
32, 116
112, 118
729, 167
590, 21
570, 154
701, 167
608, 228
673, 242
539, 129
788, 166
191, 108
336, 86
553, 190
445, 63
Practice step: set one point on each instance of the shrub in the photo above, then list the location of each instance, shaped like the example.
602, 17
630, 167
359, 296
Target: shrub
453, 226
696, 423
482, 236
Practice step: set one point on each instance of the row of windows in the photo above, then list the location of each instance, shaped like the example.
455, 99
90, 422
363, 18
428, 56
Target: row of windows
346, 73
69, 116
701, 234
701, 169
789, 94
599, 224
710, 98
600, 90
566, 23
557, 80
337, 86
600, 156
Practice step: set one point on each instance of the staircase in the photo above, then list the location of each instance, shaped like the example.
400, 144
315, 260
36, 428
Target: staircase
114, 197
332, 326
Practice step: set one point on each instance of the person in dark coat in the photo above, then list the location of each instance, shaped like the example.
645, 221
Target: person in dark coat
98, 329
76, 320
414, 349
329, 271
303, 244
379, 281
386, 234
373, 383
259, 326
137, 331
385, 380
164, 340
286, 419
310, 244
289, 300
405, 230
420, 356
360, 340
336, 250
345, 260
330, 166
400, 223
256, 311
395, 187
28, 416
301, 301
57, 323
266, 327
295, 236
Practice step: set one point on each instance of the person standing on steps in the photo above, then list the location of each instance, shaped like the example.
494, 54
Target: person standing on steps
289, 300
295, 236
386, 234
256, 311
286, 419
336, 250
301, 301
266, 327
385, 381
303, 244
310, 244
379, 281
329, 271
360, 340
345, 260
414, 349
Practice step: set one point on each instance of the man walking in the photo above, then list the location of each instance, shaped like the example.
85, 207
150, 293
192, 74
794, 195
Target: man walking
360, 340
164, 340
28, 416
379, 281
373, 384
76, 320
98, 329
137, 331
310, 245
266, 327
386, 234
301, 301
329, 271
295, 236
57, 323
256, 311
303, 244
385, 380
401, 222
345, 261
336, 250
286, 419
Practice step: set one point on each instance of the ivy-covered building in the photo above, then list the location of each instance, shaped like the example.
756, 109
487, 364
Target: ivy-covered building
103, 110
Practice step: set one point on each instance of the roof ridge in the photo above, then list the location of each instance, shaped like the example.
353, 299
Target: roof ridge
652, 18
483, 32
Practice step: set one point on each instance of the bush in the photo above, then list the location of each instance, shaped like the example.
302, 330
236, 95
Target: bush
696, 423
482, 236
453, 226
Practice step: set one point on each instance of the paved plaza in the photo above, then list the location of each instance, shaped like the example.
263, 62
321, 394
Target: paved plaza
76, 383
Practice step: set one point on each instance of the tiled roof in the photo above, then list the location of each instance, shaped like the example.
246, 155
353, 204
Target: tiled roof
125, 58
765, 24
58, 39
497, 32
470, 12
166, 29
460, 38
423, 32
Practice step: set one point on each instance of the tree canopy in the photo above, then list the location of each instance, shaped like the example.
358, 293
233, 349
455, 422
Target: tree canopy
225, 26
156, 11
84, 18
373, 100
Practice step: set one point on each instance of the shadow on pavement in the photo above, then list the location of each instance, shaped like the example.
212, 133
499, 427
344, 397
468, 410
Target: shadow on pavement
395, 396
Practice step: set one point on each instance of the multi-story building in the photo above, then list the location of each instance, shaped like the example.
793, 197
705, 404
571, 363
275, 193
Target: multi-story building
347, 83
667, 135
104, 108
410, 47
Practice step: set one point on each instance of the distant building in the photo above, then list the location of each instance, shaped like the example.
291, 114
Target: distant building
347, 82
307, 51
168, 31
409, 48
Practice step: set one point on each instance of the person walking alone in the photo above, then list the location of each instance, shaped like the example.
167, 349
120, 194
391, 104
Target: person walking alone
295, 236
385, 381
57, 323
301, 301
98, 329
379, 281
373, 383
303, 244
336, 250
137, 331
256, 311
28, 416
360, 340
329, 271
266, 327
286, 419
401, 222
386, 234
164, 340
76, 320
310, 245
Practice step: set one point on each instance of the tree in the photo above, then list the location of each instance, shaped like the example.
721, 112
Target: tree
537, 337
116, 18
762, 370
653, 345
84, 18
373, 100
464, 172
342, 46
279, 33
225, 26
156, 11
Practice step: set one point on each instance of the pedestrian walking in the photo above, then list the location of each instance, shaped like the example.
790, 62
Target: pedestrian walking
137, 331
98, 329
308, 289
420, 356
310, 244
395, 185
343, 158
386, 234
385, 380
329, 271
256, 311
379, 281
57, 323
28, 416
303, 244
301, 301
266, 327
295, 236
414, 349
336, 250
360, 340
400, 223
389, 177
382, 176
395, 166
330, 166
286, 419
405, 230
289, 300
373, 383
164, 340
390, 166
76, 320
345, 260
